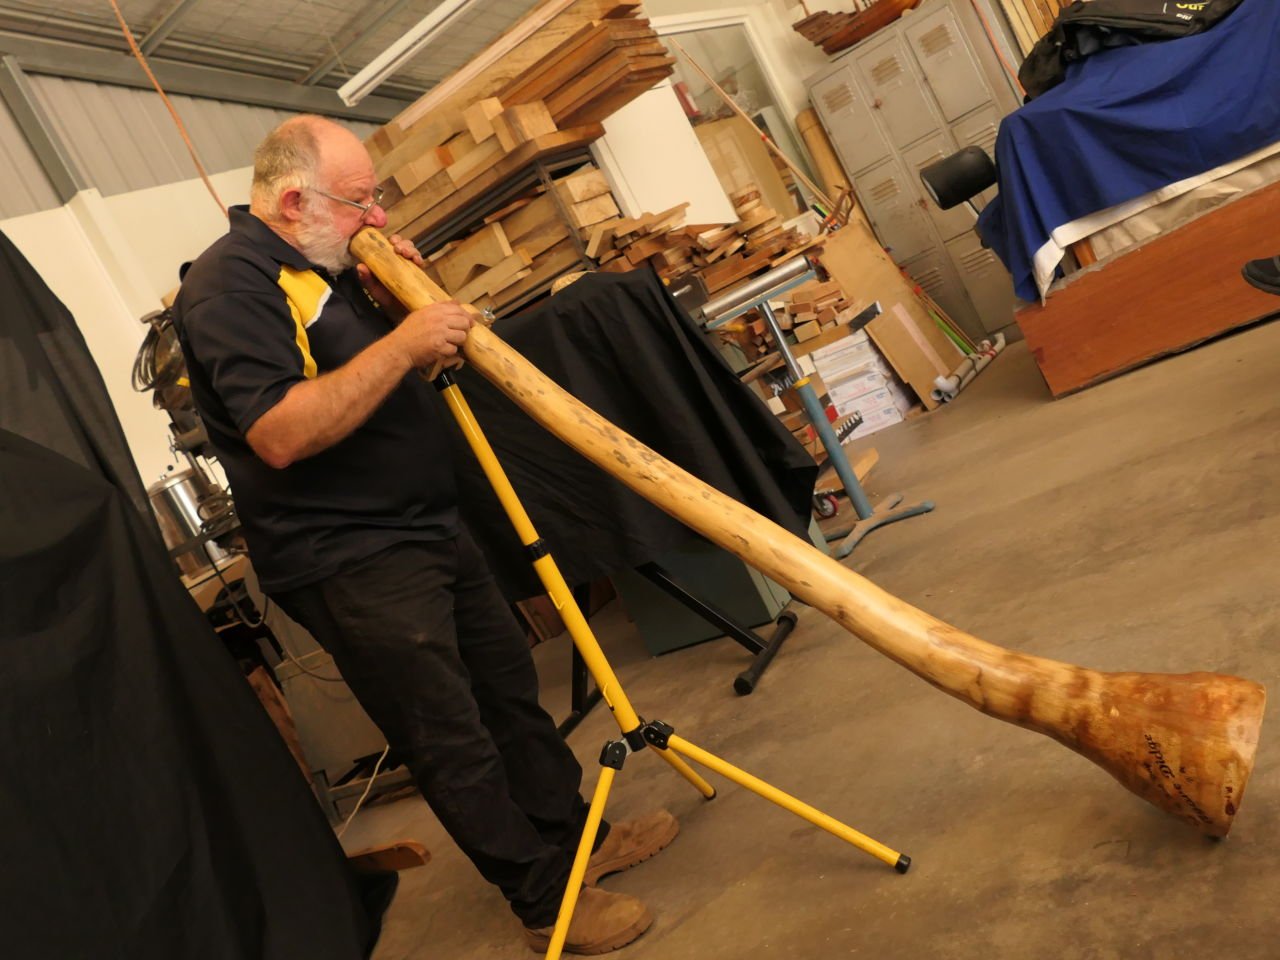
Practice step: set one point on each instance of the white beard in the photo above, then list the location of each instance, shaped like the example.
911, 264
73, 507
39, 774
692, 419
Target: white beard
318, 239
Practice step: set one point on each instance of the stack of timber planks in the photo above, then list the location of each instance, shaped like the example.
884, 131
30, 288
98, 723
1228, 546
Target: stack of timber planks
817, 313
540, 90
526, 244
721, 254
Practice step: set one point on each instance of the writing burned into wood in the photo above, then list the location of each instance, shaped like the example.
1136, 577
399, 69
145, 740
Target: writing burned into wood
1162, 765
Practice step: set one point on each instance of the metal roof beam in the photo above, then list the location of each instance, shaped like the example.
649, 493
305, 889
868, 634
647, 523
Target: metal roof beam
58, 164
78, 62
171, 18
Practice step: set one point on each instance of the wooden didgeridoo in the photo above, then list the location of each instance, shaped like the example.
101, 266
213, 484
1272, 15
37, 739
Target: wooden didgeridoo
1184, 742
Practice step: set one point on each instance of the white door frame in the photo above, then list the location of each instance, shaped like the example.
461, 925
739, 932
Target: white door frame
736, 17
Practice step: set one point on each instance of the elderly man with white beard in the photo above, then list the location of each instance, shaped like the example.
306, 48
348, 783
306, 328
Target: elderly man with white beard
303, 369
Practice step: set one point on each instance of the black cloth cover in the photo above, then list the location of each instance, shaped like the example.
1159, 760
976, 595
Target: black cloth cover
623, 346
1087, 27
149, 808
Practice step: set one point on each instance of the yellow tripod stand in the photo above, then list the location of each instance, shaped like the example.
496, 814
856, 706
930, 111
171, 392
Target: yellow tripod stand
636, 733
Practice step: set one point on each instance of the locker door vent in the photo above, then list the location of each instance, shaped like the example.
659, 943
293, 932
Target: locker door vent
886, 71
838, 98
937, 40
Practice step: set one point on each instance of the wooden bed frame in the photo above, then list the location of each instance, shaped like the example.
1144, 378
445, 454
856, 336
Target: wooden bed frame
1164, 296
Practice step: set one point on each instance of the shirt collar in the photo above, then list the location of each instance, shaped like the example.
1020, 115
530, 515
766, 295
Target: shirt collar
267, 240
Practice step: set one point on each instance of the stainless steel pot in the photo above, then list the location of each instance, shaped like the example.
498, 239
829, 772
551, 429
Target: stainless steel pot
176, 501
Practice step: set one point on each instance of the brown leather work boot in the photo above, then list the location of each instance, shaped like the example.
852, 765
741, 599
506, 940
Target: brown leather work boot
631, 842
602, 921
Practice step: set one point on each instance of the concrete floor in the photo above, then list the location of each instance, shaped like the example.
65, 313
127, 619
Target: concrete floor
1135, 526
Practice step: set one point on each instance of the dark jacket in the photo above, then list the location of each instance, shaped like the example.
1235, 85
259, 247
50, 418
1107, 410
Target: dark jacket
1088, 26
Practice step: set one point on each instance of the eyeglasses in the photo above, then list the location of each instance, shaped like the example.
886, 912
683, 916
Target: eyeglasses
364, 208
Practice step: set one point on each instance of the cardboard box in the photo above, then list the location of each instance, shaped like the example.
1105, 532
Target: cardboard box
839, 360
870, 403
902, 398
875, 420
853, 363
867, 380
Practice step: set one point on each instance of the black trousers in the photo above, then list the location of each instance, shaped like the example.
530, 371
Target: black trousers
432, 652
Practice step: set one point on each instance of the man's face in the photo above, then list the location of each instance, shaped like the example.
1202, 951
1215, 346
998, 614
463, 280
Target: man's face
328, 224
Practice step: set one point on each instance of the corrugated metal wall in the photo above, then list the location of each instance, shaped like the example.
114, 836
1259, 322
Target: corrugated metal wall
26, 188
124, 139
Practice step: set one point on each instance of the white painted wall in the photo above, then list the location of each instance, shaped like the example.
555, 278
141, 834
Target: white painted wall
109, 261
167, 225
649, 180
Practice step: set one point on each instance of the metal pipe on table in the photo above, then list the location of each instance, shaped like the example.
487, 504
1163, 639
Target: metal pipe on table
756, 294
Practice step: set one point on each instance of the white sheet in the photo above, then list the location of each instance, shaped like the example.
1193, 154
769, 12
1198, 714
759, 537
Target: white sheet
1050, 255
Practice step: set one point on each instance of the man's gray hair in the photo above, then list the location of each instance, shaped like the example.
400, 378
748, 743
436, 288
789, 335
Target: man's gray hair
288, 157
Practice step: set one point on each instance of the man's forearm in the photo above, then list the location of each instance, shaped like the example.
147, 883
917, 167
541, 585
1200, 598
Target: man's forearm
316, 414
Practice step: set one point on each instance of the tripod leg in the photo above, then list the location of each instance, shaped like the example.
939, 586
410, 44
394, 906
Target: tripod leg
544, 565
595, 813
898, 861
690, 774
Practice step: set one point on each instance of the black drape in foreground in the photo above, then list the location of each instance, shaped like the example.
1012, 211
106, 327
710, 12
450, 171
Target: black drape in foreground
148, 808
625, 348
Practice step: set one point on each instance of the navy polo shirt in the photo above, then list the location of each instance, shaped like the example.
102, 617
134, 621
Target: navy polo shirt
254, 319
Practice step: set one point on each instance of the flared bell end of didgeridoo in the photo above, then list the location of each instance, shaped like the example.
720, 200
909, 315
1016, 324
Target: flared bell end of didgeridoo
1183, 742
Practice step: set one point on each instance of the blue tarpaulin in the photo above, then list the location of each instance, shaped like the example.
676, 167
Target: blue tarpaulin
1129, 121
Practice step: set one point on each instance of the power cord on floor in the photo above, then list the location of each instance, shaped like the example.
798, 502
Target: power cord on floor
266, 607
222, 509
367, 787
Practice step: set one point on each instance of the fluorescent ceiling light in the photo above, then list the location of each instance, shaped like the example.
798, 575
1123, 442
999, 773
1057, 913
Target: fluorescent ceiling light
402, 51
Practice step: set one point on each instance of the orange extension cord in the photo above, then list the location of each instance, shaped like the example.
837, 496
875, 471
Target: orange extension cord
986, 25
128, 35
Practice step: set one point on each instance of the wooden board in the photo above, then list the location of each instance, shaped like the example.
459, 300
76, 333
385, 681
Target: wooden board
577, 54
905, 332
522, 122
414, 216
600, 81
601, 238
456, 148
647, 221
495, 279
414, 144
584, 184
485, 248
861, 462
389, 858
559, 259
471, 165
645, 248
479, 117
543, 237
592, 211
522, 45
530, 217
1168, 295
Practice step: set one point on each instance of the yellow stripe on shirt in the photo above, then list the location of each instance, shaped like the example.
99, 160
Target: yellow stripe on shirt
306, 293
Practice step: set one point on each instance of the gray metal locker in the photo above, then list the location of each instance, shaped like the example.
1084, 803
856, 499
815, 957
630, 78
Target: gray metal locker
891, 201
979, 129
950, 223
896, 92
847, 117
949, 68
985, 278
913, 93
935, 272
